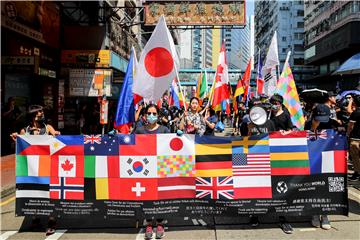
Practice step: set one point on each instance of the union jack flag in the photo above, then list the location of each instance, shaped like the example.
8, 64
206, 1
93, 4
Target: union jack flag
92, 139
314, 135
215, 187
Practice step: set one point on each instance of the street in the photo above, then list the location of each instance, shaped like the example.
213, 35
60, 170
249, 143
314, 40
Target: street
235, 228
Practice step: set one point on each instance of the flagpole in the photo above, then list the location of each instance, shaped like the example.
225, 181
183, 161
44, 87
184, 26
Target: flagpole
258, 71
287, 59
180, 87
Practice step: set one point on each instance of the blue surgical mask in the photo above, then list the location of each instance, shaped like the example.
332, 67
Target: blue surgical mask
152, 119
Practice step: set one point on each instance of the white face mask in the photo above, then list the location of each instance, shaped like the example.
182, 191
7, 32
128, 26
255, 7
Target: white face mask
152, 119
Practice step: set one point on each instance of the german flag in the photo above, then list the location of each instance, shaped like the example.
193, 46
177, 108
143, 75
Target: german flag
213, 156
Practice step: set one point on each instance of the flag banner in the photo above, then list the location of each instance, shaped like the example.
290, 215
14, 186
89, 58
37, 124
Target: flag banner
301, 173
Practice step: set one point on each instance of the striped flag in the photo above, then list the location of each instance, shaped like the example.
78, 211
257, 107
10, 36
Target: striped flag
251, 164
176, 187
289, 153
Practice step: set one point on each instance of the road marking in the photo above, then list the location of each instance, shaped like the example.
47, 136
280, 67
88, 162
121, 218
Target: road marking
56, 235
307, 229
7, 234
354, 193
195, 222
202, 222
7, 201
186, 218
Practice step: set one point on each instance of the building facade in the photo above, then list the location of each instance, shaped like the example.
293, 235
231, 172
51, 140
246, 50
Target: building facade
287, 18
331, 37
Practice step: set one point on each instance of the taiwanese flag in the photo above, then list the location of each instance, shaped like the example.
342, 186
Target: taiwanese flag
176, 187
138, 189
137, 145
67, 188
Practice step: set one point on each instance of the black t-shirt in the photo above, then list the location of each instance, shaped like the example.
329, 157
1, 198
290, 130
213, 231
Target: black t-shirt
160, 129
355, 117
267, 127
283, 121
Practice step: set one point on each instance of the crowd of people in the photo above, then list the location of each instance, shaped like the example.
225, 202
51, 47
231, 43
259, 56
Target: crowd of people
200, 118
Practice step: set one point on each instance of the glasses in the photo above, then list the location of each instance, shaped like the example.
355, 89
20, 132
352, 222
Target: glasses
149, 113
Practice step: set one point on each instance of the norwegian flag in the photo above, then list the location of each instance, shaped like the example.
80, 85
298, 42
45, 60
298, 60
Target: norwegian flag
314, 135
92, 139
215, 187
67, 188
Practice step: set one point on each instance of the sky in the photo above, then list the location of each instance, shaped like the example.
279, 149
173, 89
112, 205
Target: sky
249, 7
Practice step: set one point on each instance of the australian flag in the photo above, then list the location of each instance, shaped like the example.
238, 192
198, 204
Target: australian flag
104, 145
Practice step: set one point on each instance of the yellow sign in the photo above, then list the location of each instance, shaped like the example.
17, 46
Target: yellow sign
196, 12
99, 58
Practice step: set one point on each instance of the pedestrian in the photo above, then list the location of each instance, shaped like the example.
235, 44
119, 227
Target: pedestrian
210, 120
152, 118
353, 132
38, 126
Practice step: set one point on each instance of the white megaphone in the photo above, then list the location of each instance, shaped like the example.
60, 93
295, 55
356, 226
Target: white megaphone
258, 115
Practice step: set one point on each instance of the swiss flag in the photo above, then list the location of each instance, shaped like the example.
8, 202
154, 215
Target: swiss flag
138, 189
221, 91
67, 166
157, 65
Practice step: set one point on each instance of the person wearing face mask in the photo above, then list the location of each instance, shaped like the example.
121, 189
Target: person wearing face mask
152, 127
38, 126
151, 118
280, 116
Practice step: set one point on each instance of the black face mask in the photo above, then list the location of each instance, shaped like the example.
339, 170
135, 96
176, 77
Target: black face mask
41, 119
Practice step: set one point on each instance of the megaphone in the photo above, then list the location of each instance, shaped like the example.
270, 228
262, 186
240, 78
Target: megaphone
258, 115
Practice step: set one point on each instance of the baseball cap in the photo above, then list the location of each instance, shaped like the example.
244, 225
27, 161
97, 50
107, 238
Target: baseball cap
332, 94
321, 113
35, 108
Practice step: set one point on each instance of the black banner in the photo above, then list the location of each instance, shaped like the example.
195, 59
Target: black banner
291, 196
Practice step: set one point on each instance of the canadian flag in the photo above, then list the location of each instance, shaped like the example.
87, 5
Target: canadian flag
221, 91
157, 65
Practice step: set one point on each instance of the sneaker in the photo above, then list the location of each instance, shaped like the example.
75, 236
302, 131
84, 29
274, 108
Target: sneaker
254, 221
160, 231
325, 223
354, 177
286, 227
50, 231
315, 221
148, 232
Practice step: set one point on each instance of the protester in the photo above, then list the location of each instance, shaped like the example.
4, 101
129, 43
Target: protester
194, 122
321, 120
280, 116
210, 120
38, 126
152, 117
353, 132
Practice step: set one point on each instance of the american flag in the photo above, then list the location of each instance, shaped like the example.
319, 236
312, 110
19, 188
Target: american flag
215, 187
92, 139
251, 164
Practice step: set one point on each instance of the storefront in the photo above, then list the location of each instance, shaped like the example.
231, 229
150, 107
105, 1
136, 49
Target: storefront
30, 58
89, 75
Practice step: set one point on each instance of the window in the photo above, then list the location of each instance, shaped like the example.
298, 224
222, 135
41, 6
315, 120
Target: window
300, 24
298, 48
323, 69
284, 39
298, 61
284, 50
300, 13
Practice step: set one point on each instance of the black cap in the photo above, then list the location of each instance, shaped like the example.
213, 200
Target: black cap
332, 94
321, 113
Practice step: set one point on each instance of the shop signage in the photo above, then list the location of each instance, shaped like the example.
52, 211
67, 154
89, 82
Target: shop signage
17, 60
86, 58
90, 82
193, 12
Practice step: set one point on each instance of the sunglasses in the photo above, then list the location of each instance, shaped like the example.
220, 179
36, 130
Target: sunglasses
149, 113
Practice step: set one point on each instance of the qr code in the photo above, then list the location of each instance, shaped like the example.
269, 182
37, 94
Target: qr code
336, 184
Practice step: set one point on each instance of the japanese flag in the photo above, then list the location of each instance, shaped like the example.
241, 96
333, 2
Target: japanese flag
157, 65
